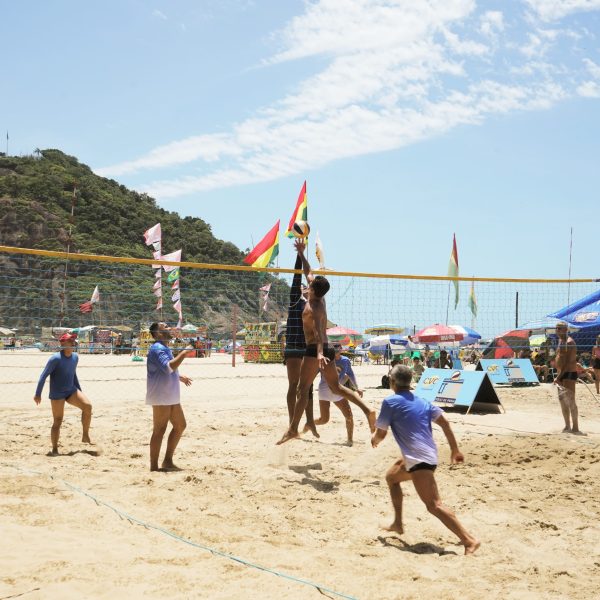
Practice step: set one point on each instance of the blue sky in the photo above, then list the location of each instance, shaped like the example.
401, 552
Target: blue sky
409, 120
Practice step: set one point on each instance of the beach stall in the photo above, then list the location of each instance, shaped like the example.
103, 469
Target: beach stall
264, 342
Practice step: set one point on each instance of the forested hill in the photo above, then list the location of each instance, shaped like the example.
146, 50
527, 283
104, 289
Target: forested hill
35, 206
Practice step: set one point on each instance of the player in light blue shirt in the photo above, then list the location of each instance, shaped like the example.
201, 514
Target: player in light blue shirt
64, 387
410, 418
162, 393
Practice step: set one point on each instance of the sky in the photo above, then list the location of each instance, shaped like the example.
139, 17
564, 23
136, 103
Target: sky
410, 120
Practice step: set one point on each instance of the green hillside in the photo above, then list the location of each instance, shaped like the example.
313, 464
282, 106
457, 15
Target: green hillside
35, 206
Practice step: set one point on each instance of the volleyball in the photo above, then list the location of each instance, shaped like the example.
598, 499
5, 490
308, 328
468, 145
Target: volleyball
300, 229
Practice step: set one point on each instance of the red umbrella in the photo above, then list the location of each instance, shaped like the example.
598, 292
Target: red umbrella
508, 344
341, 331
436, 334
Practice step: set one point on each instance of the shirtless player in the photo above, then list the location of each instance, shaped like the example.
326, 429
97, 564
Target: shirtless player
566, 378
318, 355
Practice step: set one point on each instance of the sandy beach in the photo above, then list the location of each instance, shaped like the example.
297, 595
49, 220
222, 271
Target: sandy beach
312, 510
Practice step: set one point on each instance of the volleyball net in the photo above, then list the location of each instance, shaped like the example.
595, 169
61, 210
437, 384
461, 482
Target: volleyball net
43, 294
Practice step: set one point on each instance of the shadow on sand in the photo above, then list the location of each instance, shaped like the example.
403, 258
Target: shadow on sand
315, 482
420, 548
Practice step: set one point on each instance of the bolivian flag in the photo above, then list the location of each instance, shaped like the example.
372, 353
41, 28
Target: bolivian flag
266, 250
300, 212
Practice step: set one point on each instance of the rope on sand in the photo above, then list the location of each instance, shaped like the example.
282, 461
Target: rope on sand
135, 521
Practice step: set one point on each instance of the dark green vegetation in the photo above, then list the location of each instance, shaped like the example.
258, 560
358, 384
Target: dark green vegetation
36, 195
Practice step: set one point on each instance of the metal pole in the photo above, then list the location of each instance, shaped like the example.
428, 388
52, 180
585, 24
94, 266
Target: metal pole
234, 335
570, 262
448, 303
71, 220
517, 310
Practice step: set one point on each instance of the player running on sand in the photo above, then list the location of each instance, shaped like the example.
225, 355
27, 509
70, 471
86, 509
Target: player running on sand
410, 418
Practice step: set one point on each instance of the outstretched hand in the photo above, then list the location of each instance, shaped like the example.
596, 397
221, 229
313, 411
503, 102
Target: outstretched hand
300, 246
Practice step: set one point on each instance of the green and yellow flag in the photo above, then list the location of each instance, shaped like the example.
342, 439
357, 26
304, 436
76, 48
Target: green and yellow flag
453, 268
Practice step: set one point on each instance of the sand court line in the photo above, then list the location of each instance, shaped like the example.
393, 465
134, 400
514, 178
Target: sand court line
215, 552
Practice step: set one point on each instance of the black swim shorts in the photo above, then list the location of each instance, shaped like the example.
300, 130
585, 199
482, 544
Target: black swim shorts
311, 351
569, 376
422, 467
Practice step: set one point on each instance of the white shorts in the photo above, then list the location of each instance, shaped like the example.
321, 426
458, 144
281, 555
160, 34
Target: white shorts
326, 394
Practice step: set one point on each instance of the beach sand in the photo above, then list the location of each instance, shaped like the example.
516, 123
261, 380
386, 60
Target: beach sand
311, 509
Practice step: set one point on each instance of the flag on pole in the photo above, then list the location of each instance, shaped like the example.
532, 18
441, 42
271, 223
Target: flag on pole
265, 289
173, 257
173, 275
159, 304
300, 212
153, 235
175, 285
319, 252
88, 307
176, 296
157, 285
453, 268
266, 250
473, 300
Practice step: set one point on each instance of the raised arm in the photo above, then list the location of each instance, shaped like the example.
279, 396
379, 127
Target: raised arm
296, 289
300, 248
455, 454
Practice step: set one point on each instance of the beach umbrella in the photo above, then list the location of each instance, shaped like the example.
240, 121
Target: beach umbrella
379, 344
545, 325
470, 336
5, 331
343, 335
189, 328
508, 344
536, 340
384, 329
438, 334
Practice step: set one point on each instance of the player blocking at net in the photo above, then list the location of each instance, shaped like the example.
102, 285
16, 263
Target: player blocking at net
64, 387
318, 355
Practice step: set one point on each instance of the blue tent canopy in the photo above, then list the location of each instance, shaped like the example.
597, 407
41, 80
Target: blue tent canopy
585, 314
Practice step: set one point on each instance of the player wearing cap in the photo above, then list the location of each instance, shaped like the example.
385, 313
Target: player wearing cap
64, 387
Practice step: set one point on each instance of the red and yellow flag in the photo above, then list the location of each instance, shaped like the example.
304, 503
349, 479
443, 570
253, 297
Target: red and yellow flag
300, 212
266, 250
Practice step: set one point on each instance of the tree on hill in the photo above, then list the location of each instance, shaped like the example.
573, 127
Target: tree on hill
36, 194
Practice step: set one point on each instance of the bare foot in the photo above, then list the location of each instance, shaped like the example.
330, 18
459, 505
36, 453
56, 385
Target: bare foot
349, 443
566, 430
472, 546
154, 468
53, 452
86, 439
395, 527
313, 429
372, 418
287, 436
169, 465
306, 428
577, 432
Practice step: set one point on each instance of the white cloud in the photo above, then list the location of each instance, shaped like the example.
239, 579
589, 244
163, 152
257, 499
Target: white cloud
551, 10
491, 22
396, 72
159, 14
592, 67
589, 89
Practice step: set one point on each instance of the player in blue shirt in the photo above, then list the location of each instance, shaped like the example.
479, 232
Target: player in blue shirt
162, 393
410, 418
64, 387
